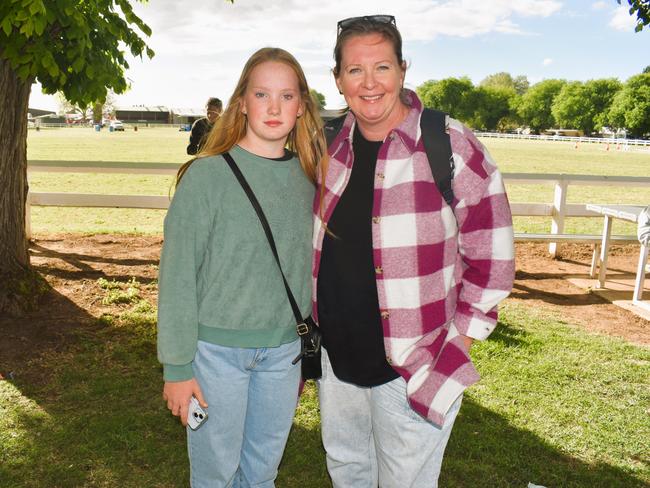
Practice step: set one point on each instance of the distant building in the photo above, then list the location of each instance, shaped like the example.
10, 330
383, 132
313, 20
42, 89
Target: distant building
330, 114
143, 115
186, 115
36, 112
563, 132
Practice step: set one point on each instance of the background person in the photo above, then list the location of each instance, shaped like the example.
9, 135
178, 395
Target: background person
402, 281
226, 332
202, 127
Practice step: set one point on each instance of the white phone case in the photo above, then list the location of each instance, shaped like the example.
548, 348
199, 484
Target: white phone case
196, 415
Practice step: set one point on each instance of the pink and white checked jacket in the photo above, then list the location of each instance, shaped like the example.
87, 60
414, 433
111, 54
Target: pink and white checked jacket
441, 271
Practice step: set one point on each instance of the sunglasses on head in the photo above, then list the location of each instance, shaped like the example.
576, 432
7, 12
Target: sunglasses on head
380, 19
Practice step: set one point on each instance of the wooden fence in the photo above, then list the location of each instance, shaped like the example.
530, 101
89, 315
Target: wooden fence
558, 209
620, 142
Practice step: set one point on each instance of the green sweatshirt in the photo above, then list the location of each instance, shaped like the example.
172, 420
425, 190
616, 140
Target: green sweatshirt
218, 280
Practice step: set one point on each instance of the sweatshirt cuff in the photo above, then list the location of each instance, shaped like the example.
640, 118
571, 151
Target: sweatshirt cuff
174, 372
472, 323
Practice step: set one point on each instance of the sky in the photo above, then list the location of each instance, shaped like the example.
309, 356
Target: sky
202, 45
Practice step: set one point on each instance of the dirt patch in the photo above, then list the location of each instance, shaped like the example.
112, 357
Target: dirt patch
543, 282
72, 265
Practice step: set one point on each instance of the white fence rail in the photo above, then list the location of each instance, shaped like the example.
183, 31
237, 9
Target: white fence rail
580, 139
558, 210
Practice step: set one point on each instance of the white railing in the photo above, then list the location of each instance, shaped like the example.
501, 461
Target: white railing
543, 137
130, 124
558, 210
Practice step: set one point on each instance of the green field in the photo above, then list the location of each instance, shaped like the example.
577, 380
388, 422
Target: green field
557, 406
168, 145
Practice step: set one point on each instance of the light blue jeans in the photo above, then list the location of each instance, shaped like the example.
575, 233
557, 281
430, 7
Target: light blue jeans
373, 438
252, 396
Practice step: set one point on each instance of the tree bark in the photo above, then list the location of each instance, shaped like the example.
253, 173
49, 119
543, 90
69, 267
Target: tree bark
16, 276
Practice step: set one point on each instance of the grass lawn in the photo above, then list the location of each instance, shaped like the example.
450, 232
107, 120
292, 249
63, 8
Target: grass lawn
557, 407
168, 145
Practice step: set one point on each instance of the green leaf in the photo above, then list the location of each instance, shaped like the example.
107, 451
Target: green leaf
6, 26
27, 28
39, 25
23, 72
22, 15
78, 65
53, 70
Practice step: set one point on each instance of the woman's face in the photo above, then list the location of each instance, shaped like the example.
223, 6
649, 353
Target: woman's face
371, 79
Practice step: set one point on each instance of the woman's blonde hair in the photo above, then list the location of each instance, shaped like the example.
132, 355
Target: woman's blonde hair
306, 139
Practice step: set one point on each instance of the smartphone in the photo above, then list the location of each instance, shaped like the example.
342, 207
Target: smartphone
196, 415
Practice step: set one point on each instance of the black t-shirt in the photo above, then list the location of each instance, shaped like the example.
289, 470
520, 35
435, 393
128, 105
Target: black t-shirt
348, 307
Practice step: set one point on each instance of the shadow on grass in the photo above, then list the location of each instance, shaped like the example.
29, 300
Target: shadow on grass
79, 260
523, 292
486, 451
85, 409
81, 264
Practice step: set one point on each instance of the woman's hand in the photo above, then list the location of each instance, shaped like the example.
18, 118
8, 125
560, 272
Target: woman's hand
177, 394
467, 342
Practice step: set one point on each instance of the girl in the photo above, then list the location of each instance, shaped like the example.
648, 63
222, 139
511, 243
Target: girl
226, 332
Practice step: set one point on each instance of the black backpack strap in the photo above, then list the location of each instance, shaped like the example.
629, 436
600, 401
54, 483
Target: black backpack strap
332, 128
437, 145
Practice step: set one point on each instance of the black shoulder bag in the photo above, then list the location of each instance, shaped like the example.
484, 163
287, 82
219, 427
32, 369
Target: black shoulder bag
310, 336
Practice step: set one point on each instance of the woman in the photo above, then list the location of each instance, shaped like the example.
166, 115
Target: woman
226, 332
403, 282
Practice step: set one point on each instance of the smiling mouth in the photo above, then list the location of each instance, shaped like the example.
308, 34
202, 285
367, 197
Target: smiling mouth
371, 98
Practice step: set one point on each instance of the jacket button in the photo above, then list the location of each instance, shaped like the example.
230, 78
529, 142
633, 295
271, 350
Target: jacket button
379, 270
375, 220
385, 314
389, 360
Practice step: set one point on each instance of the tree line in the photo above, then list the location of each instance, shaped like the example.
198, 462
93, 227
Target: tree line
504, 103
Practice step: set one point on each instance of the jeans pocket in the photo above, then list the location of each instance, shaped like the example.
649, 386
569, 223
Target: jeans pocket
394, 400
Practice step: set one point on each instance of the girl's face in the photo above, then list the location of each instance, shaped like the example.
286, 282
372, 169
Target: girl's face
371, 79
271, 104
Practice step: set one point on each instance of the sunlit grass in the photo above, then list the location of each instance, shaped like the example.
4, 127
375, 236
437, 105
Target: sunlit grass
556, 406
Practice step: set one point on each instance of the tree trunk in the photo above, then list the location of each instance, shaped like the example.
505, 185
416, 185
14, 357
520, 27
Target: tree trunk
17, 280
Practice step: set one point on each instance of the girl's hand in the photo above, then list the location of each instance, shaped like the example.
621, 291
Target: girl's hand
177, 394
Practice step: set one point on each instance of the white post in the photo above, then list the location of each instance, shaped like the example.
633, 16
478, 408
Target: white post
604, 249
559, 210
640, 275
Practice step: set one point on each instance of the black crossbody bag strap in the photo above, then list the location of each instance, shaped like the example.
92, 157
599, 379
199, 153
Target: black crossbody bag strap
267, 229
